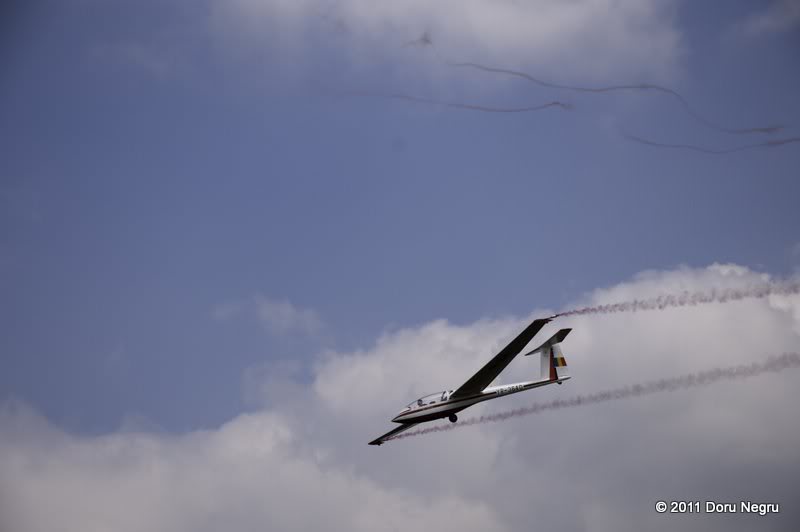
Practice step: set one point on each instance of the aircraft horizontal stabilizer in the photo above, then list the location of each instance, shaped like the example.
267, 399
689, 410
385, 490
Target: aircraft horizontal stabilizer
557, 338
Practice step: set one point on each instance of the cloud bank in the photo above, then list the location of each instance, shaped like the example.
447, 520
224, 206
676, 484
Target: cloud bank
594, 37
302, 463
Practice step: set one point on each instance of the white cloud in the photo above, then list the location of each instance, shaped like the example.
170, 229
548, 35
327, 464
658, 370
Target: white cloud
281, 317
247, 475
589, 37
303, 464
779, 16
587, 41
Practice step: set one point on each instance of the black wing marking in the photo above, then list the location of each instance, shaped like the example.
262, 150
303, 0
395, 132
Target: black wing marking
492, 369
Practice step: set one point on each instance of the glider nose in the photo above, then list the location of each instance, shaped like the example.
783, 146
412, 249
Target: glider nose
396, 419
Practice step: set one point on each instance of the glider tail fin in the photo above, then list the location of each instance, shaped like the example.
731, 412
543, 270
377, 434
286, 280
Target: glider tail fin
553, 364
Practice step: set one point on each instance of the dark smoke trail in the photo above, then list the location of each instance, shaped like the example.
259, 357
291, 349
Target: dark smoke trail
683, 382
636, 86
690, 299
424, 40
768, 144
457, 105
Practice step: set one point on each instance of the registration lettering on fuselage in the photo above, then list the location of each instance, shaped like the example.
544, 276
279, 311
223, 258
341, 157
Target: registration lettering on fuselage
511, 388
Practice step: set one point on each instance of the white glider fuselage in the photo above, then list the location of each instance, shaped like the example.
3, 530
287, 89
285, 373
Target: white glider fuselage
440, 405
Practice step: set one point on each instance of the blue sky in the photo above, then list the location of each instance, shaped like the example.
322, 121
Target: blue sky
154, 169
194, 193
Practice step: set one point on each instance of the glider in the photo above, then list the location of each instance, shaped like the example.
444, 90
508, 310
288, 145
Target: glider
553, 369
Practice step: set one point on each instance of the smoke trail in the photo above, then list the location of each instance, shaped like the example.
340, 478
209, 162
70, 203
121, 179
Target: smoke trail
690, 299
457, 105
637, 86
424, 40
768, 144
683, 382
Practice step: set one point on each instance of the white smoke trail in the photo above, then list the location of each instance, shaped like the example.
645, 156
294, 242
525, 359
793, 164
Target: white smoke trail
692, 380
690, 299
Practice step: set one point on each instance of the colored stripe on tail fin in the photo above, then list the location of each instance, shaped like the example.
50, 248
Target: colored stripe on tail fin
558, 363
553, 363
